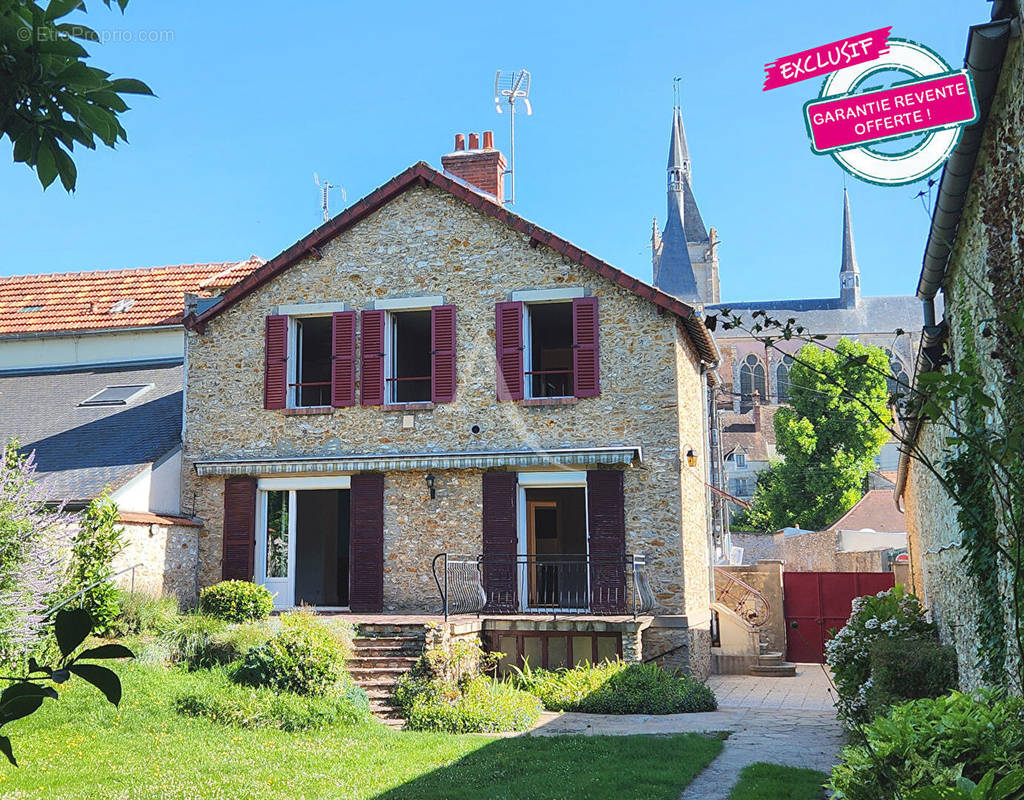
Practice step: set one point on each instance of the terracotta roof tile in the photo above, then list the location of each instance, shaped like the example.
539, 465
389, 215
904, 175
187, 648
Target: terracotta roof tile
874, 511
120, 298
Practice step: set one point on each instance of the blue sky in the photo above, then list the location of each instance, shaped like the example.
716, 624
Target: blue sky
253, 98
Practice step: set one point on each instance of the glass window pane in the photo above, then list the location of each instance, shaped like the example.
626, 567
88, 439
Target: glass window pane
277, 534
582, 650
557, 648
533, 652
607, 648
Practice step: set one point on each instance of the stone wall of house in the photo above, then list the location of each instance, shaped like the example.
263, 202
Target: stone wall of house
757, 546
428, 242
168, 556
810, 552
987, 248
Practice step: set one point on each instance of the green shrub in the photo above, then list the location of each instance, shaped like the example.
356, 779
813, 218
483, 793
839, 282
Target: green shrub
236, 601
256, 707
476, 705
188, 636
909, 669
229, 646
98, 541
932, 742
614, 687
301, 658
892, 614
308, 621
142, 612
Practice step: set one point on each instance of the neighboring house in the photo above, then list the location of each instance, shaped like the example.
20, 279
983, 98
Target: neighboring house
428, 373
91, 384
748, 449
973, 257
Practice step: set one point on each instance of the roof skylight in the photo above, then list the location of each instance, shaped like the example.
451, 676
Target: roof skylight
122, 305
30, 309
117, 395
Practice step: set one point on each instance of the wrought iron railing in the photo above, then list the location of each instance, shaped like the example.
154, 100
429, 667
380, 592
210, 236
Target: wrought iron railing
543, 584
742, 598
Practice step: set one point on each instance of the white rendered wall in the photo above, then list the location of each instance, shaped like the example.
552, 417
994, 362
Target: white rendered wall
92, 348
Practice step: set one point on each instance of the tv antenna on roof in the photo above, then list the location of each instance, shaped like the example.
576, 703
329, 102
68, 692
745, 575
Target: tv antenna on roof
509, 86
325, 187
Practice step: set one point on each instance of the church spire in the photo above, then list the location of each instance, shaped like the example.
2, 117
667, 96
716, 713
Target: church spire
673, 271
849, 272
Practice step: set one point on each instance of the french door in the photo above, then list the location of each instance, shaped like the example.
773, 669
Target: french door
275, 545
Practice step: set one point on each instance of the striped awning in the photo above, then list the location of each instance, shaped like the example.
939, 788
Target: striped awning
391, 462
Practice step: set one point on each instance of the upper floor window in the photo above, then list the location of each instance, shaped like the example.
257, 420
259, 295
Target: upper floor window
309, 381
409, 378
309, 357
741, 460
547, 348
548, 352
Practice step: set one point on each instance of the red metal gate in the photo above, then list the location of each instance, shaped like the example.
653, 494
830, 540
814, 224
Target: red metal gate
815, 602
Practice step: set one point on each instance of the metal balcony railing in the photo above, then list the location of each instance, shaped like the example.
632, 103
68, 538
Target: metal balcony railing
543, 584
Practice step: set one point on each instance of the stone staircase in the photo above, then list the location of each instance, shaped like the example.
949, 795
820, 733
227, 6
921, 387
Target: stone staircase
771, 663
381, 654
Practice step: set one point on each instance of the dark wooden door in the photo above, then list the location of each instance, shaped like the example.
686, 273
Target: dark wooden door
815, 603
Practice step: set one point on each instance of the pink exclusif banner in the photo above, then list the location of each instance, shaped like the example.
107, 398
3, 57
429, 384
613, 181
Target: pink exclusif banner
825, 59
912, 107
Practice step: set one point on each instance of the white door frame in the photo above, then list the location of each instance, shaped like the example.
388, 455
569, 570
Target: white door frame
283, 588
560, 479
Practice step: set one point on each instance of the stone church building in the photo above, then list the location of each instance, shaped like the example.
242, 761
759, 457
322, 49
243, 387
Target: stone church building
755, 379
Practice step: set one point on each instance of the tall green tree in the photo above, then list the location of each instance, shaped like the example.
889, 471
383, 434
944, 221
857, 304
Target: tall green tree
829, 437
50, 98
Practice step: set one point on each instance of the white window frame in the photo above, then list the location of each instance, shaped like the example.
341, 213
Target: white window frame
562, 479
391, 344
740, 460
528, 338
310, 310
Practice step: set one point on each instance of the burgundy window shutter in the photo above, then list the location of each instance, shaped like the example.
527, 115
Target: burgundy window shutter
606, 518
508, 336
343, 359
500, 541
372, 372
366, 543
442, 354
586, 365
239, 529
275, 367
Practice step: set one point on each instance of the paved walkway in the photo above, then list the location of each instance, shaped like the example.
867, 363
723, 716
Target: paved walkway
780, 720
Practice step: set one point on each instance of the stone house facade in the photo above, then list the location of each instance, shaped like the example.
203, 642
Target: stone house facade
428, 373
974, 258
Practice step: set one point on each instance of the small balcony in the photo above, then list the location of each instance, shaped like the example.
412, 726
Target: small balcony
556, 584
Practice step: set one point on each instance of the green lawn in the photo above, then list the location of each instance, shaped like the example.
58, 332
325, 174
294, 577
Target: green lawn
82, 747
763, 781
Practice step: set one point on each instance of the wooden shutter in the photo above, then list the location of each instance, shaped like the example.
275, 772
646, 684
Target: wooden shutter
586, 366
372, 367
366, 543
343, 359
275, 367
239, 529
508, 335
606, 518
442, 354
500, 541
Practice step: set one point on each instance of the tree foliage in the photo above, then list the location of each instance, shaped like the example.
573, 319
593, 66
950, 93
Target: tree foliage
829, 437
50, 98
98, 541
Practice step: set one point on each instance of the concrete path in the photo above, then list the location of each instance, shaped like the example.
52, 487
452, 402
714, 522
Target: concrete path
787, 721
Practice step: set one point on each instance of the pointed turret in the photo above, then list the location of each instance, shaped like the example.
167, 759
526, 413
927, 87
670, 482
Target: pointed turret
673, 271
849, 272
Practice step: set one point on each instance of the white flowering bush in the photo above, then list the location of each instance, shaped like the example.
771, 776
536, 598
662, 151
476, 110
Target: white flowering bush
893, 614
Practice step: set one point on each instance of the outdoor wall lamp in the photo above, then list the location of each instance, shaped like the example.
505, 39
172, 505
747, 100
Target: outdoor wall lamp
430, 485
691, 457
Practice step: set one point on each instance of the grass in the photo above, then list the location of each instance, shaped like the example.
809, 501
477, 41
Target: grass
82, 747
764, 781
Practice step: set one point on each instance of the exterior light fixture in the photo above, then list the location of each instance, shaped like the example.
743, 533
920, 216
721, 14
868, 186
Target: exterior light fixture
430, 485
691, 458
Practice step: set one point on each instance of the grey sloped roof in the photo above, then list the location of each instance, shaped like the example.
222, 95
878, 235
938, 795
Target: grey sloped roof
693, 223
80, 450
870, 315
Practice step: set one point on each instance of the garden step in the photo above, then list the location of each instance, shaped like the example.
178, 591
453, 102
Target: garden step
384, 646
389, 660
387, 629
371, 673
770, 658
783, 670
386, 652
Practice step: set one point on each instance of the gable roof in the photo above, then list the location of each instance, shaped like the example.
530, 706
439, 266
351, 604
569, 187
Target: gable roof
422, 174
80, 449
79, 301
874, 511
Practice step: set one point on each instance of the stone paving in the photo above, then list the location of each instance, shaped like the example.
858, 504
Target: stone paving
787, 721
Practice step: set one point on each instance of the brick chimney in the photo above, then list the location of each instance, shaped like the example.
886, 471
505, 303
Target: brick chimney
755, 412
483, 168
